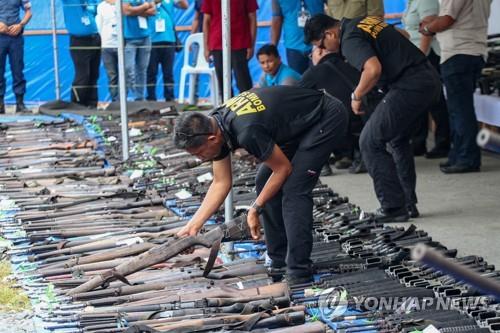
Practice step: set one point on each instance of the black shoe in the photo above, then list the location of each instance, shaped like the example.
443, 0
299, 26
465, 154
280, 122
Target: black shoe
391, 215
437, 153
20, 107
459, 169
276, 273
326, 171
358, 166
344, 163
445, 164
413, 211
292, 280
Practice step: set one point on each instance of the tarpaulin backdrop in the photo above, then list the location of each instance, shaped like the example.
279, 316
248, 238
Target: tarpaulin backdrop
39, 63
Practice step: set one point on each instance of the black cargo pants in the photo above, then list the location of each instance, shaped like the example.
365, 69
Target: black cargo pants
392, 123
287, 217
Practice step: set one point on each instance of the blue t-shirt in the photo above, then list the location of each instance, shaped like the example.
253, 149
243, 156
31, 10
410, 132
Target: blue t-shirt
289, 10
285, 76
9, 10
131, 26
165, 13
79, 17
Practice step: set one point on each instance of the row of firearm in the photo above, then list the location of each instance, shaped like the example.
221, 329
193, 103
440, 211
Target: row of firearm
93, 243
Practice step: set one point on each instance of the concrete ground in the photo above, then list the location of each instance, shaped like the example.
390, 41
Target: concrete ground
461, 211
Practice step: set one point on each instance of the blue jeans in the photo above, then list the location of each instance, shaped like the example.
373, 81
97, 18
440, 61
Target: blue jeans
162, 53
14, 48
137, 52
460, 74
110, 61
297, 60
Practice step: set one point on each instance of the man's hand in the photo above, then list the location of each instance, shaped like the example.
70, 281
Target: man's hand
207, 54
253, 223
151, 11
356, 107
3, 28
14, 30
250, 51
190, 229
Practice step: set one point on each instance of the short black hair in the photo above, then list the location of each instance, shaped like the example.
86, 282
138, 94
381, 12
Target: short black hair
268, 49
317, 25
191, 130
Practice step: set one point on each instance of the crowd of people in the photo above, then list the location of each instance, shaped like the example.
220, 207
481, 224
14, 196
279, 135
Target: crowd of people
352, 84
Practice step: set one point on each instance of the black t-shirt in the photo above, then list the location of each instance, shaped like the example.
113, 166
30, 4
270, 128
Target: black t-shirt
334, 75
259, 118
365, 37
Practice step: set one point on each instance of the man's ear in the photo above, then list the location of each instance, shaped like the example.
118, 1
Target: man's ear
212, 138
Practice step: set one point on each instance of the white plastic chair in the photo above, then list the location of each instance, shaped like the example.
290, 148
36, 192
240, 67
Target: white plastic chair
201, 66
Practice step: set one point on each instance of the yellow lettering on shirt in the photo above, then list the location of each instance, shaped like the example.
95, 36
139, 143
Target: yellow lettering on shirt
372, 25
245, 103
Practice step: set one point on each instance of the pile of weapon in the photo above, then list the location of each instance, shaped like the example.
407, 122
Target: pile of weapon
95, 245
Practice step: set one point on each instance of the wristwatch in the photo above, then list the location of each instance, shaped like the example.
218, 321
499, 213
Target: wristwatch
257, 208
427, 31
354, 97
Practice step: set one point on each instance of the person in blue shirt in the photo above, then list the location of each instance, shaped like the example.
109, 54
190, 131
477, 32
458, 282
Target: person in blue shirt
138, 24
12, 45
291, 16
163, 49
275, 72
85, 49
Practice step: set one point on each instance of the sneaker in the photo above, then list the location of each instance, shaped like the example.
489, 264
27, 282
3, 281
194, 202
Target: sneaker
392, 215
344, 163
358, 166
413, 211
276, 273
326, 171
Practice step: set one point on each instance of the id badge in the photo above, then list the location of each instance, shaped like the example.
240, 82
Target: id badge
304, 15
143, 22
85, 20
160, 25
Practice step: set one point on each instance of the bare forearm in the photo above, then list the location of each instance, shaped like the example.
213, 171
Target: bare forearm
425, 44
140, 10
276, 25
253, 27
216, 194
273, 185
368, 80
206, 30
27, 17
440, 23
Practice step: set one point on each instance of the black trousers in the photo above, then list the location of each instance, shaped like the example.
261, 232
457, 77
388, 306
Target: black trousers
393, 173
162, 53
439, 113
239, 63
287, 217
86, 62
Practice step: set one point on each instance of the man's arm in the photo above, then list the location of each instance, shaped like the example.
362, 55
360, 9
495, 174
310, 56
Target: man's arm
372, 70
375, 8
16, 29
206, 34
252, 21
129, 10
217, 192
196, 22
181, 4
276, 23
282, 168
432, 25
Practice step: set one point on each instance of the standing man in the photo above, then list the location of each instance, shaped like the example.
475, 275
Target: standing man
137, 27
338, 9
163, 49
12, 45
461, 29
291, 16
385, 58
275, 72
106, 24
292, 131
243, 33
85, 49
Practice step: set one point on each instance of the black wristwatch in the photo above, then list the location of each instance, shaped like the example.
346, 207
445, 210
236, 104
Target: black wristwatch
258, 208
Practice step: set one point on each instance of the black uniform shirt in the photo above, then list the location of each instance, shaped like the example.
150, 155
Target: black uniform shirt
365, 37
334, 75
259, 118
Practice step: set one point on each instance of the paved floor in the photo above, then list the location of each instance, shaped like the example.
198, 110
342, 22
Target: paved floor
460, 211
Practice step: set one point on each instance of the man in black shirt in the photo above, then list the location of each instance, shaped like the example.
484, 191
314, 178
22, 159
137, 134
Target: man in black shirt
292, 131
385, 58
